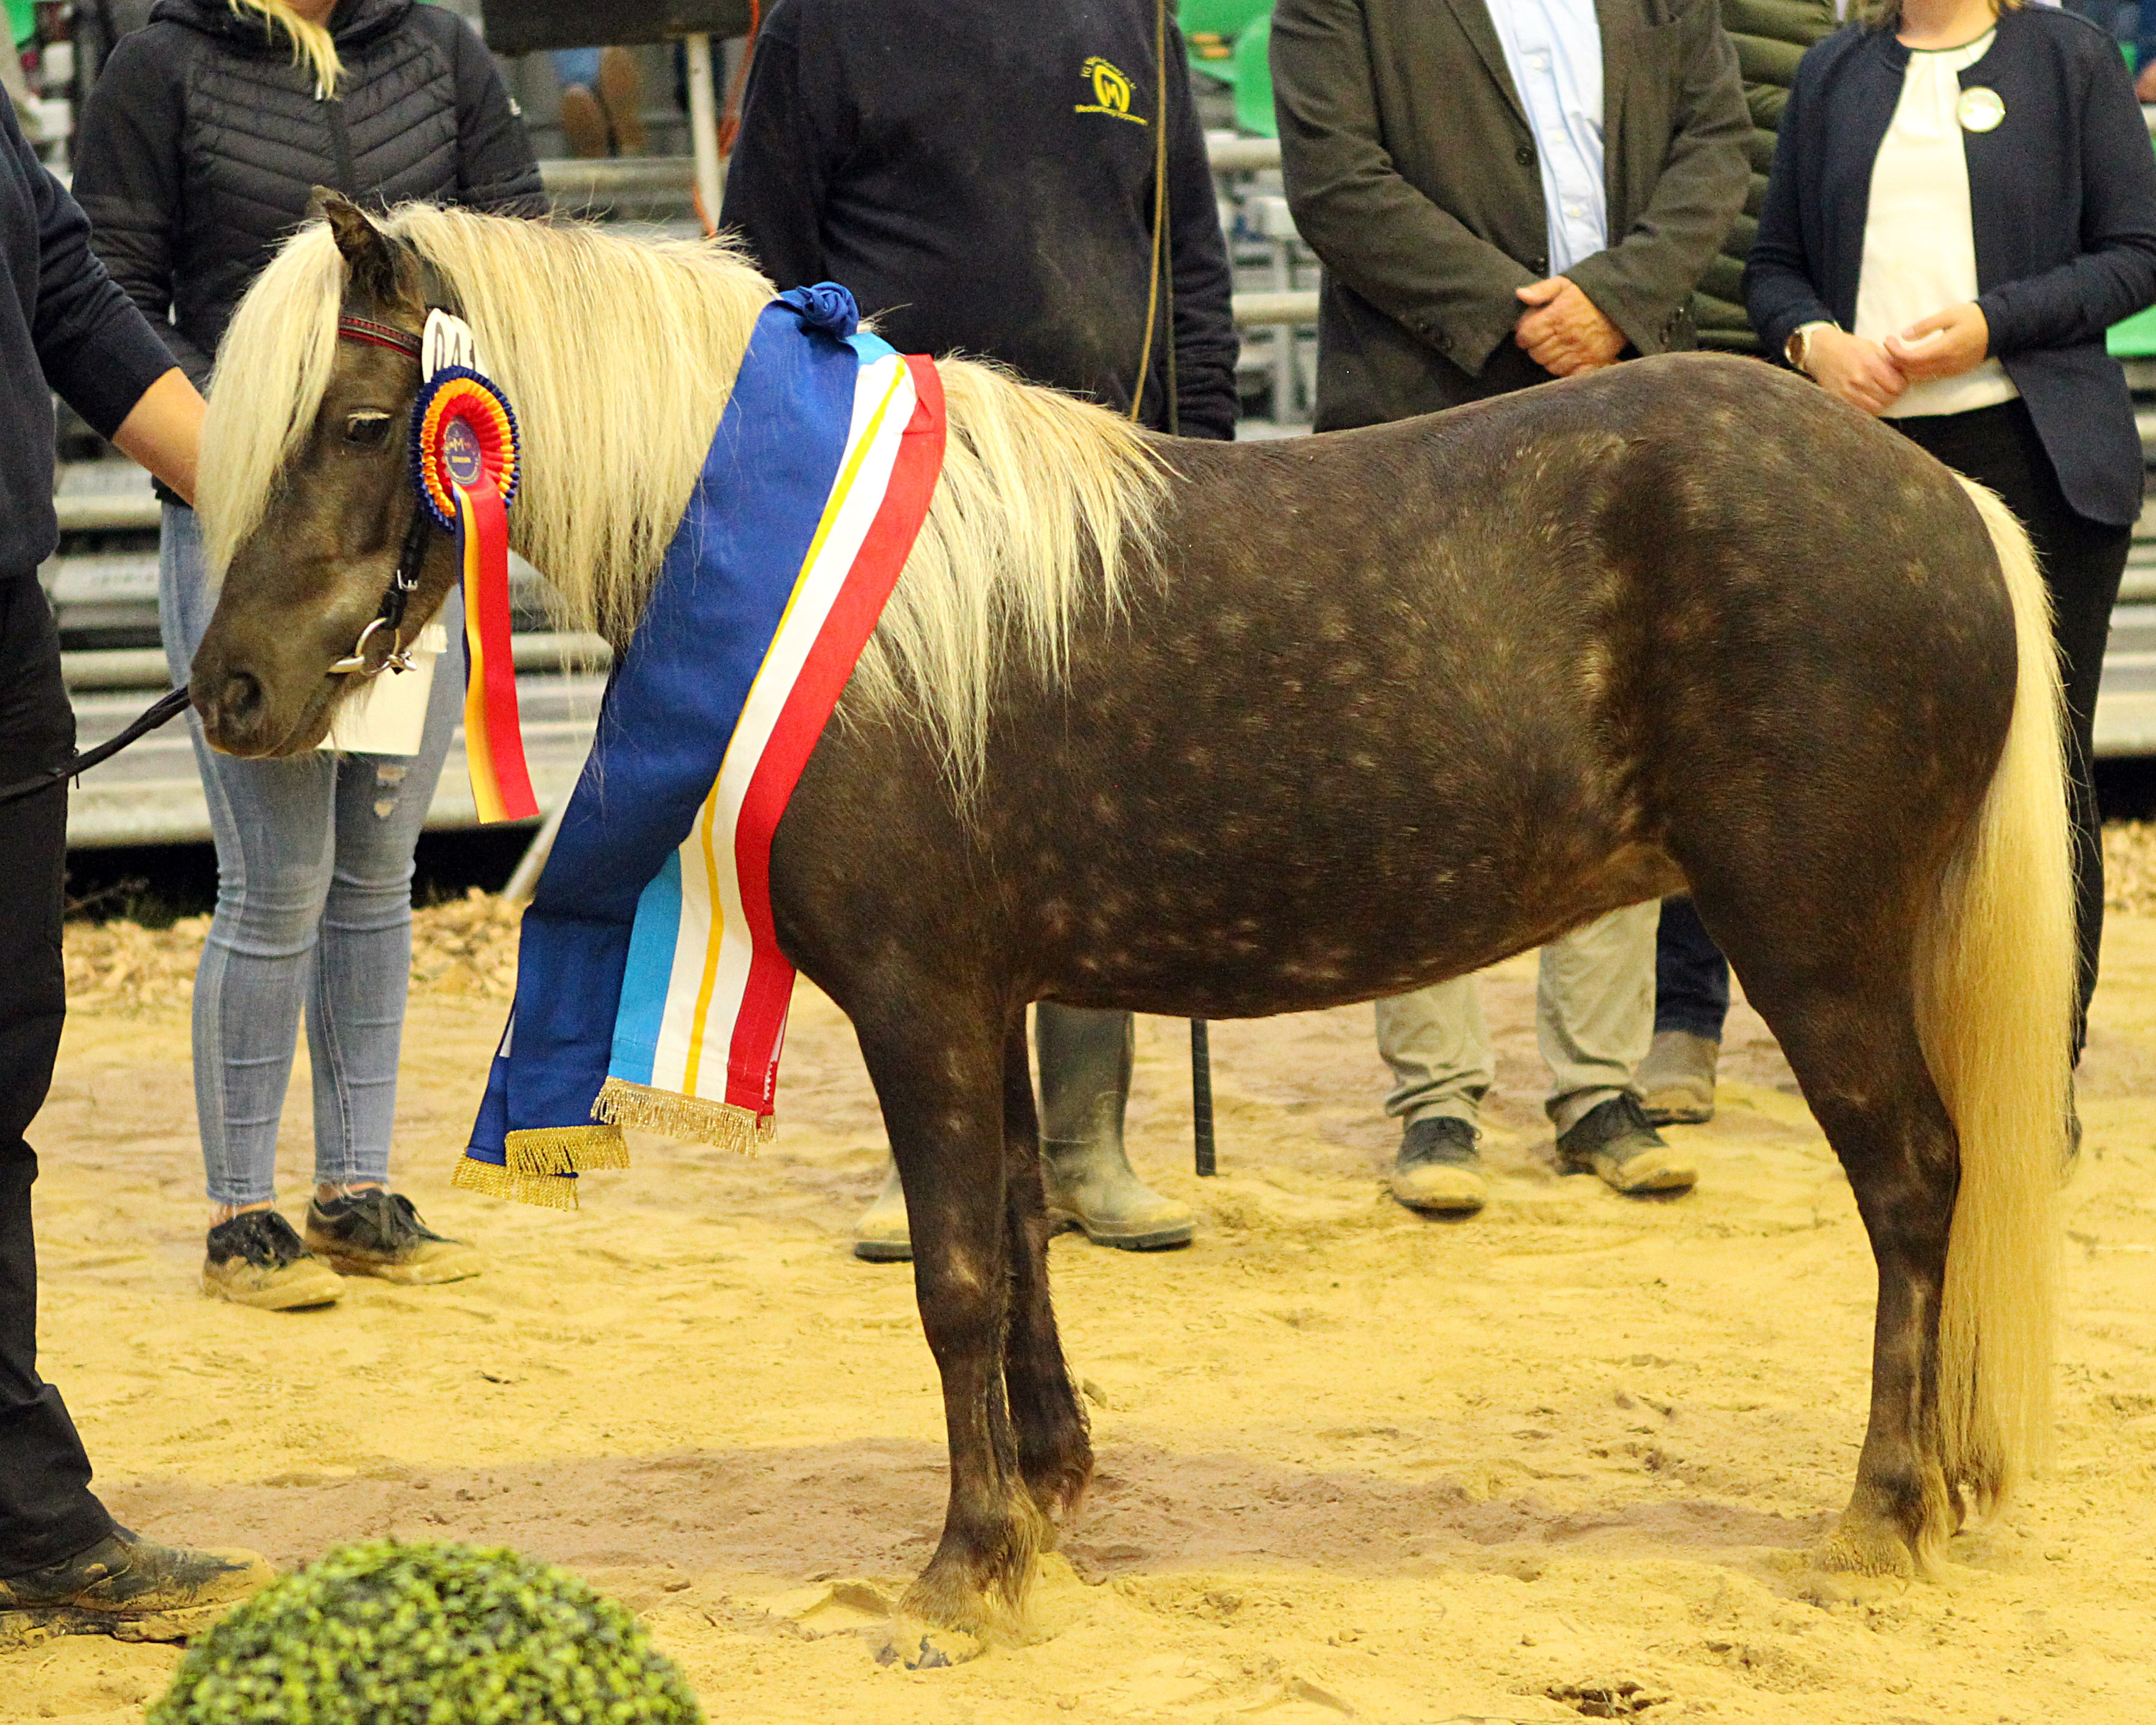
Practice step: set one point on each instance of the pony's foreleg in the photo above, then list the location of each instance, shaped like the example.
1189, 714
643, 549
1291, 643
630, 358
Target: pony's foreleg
938, 1075
1856, 1052
1054, 1455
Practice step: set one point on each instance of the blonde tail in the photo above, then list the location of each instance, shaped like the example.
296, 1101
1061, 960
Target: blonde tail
1995, 993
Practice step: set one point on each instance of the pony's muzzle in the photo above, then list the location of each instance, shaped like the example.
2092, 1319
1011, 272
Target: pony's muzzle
232, 711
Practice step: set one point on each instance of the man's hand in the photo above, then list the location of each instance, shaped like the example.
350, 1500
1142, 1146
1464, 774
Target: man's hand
164, 431
1562, 332
1858, 372
1944, 345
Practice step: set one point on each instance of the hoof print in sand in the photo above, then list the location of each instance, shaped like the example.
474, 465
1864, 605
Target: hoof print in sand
1595, 1699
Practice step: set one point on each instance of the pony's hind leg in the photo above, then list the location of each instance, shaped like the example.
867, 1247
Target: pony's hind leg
937, 1064
1055, 1457
1849, 1031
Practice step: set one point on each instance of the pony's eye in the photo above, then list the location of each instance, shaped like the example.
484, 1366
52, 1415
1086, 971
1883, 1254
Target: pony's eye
366, 431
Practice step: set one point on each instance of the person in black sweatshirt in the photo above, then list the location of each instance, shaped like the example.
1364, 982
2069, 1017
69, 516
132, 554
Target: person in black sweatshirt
981, 175
64, 326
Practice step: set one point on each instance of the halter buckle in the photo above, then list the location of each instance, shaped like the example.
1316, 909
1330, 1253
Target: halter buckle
355, 662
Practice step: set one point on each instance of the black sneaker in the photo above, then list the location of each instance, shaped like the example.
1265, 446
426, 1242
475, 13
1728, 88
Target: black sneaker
256, 1260
379, 1234
130, 1588
1439, 1171
1615, 1140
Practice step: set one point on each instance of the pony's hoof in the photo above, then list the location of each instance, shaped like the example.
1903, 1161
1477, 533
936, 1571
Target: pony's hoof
1861, 1547
941, 1605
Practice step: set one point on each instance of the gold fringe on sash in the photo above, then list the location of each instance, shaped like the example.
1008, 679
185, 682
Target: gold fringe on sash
675, 1115
551, 1190
565, 1149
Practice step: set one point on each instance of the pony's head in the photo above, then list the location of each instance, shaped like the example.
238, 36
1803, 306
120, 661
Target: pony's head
302, 580
617, 355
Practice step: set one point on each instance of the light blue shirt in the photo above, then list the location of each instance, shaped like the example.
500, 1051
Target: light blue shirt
1553, 51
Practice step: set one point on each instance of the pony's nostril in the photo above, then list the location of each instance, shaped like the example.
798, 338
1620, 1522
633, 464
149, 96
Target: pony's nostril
237, 703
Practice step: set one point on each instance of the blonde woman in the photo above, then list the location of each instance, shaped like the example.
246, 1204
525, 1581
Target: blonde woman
1963, 200
199, 149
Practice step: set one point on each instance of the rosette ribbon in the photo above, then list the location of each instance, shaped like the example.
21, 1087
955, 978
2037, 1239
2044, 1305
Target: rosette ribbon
465, 467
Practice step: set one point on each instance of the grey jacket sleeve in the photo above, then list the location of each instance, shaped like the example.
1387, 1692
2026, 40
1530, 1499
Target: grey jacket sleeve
1644, 280
1373, 231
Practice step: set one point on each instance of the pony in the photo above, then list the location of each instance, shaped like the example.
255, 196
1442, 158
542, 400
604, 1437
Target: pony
1221, 731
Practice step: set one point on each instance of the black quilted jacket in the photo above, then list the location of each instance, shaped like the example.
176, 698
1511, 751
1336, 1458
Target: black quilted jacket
1771, 36
202, 141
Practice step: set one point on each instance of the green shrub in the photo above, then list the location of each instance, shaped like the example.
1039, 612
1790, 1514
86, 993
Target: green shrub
426, 1635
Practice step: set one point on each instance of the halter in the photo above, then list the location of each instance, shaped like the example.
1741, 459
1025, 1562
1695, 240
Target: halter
405, 582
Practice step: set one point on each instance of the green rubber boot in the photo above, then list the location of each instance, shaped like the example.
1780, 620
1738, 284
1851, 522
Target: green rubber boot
1085, 1058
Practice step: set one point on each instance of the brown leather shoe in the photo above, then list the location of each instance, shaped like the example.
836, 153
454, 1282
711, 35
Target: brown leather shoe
583, 122
130, 1588
621, 88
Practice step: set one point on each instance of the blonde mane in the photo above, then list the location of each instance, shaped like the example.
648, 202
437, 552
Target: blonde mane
618, 356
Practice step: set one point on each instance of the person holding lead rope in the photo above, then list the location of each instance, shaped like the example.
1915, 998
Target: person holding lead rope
65, 1565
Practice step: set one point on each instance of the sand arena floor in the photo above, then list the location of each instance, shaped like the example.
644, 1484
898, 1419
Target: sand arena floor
1561, 1460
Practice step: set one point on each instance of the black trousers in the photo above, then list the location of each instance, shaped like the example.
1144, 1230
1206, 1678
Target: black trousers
46, 1509
1691, 977
2082, 562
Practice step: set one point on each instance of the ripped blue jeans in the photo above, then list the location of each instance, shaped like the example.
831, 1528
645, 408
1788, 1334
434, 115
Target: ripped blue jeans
314, 909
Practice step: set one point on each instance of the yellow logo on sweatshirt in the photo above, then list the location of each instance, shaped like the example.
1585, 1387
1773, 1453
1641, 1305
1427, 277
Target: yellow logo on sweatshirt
1112, 91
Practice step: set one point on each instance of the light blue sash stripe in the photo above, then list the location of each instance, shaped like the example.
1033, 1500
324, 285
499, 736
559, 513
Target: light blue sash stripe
649, 974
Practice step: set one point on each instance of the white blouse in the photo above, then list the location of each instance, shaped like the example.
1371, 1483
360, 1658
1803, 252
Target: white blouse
1919, 249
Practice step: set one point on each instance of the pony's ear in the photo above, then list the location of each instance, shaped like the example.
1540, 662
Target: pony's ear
368, 255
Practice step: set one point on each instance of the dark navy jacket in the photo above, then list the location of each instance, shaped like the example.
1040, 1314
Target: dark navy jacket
980, 174
2062, 197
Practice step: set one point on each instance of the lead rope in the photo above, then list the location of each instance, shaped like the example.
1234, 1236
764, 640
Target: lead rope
1159, 215
168, 707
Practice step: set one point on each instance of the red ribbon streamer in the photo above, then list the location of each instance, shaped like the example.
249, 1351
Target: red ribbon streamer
494, 736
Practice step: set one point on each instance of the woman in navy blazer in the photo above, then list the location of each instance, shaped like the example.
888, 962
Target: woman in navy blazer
1980, 335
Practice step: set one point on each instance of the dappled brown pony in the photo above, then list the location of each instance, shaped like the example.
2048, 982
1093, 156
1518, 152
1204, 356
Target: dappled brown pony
1222, 729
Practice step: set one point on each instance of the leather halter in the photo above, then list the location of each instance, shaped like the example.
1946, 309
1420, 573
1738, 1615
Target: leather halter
405, 582
380, 335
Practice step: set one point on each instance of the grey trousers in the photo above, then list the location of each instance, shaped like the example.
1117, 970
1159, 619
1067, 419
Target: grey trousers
1595, 1016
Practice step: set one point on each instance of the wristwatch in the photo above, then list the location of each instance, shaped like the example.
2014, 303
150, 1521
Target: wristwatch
1798, 348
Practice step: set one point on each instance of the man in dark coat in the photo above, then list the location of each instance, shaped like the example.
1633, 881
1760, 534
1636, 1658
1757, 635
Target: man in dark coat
1501, 195
981, 173
65, 1563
